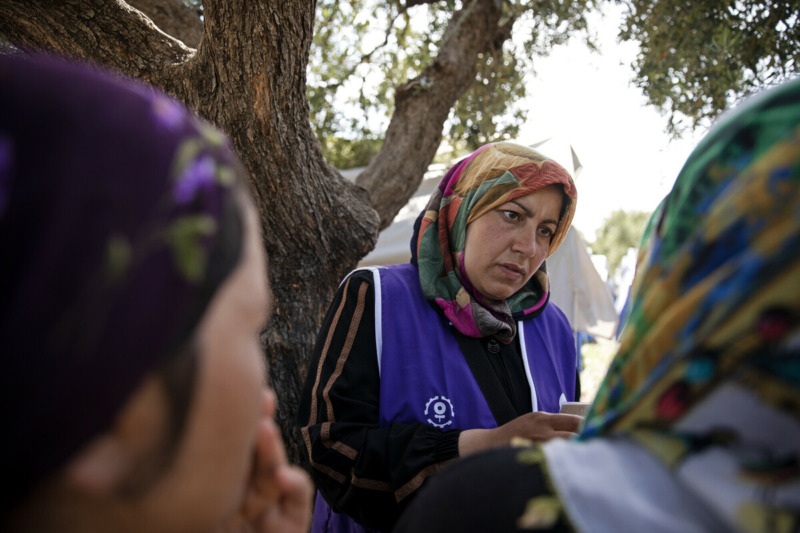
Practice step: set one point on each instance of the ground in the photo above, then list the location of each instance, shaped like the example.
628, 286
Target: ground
596, 358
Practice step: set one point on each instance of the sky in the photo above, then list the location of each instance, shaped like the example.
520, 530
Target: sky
587, 100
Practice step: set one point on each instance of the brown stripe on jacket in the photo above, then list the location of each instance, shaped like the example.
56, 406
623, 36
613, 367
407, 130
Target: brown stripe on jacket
348, 345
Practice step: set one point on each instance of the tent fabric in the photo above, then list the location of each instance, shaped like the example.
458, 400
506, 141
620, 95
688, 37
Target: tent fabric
576, 288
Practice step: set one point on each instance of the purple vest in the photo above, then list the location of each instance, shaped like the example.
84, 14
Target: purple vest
425, 377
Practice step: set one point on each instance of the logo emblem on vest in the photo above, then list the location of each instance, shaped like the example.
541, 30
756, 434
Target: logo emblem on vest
439, 412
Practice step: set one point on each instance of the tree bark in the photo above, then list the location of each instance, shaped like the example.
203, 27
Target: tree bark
248, 76
109, 33
174, 18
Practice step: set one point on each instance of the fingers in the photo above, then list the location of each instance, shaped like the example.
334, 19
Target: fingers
270, 454
565, 422
556, 421
562, 435
279, 496
269, 449
297, 490
541, 426
536, 427
269, 404
291, 513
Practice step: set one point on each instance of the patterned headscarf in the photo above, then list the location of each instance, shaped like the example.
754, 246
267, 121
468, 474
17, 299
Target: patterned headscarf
491, 176
716, 297
118, 223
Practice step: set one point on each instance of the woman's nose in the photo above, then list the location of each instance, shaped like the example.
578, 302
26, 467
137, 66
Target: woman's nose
525, 242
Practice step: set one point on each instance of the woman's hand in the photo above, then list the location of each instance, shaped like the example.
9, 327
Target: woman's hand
278, 495
537, 427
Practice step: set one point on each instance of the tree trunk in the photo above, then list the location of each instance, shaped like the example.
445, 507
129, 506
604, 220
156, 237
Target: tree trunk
248, 76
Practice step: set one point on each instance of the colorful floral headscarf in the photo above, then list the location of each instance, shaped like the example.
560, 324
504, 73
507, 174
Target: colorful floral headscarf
118, 223
493, 175
716, 308
718, 280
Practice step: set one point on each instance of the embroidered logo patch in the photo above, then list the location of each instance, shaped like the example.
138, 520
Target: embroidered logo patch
439, 412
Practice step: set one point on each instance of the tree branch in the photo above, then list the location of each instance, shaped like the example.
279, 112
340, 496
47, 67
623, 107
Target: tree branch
174, 18
110, 33
423, 104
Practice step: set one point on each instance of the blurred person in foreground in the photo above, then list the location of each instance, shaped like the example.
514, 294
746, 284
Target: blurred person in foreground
132, 292
696, 426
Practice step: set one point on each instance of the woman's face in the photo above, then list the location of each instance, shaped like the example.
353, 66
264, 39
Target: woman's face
507, 245
205, 481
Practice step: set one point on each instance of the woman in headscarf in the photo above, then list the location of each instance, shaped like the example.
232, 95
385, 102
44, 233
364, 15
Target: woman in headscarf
696, 426
418, 364
132, 292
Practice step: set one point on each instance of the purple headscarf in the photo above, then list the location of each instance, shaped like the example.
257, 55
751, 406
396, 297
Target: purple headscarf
117, 224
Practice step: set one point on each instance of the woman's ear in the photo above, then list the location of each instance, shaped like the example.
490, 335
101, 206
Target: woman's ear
130, 452
100, 467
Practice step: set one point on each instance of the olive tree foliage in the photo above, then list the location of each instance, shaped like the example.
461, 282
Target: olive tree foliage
696, 60
366, 50
698, 57
619, 231
242, 65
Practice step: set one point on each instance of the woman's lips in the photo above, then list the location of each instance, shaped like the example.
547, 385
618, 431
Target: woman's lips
512, 270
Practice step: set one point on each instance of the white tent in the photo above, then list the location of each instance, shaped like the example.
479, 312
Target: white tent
575, 285
576, 288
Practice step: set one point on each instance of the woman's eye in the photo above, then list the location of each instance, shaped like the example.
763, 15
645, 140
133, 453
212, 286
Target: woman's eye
511, 215
546, 232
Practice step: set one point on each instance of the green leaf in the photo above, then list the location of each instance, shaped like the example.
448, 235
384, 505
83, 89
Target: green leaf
184, 238
118, 258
